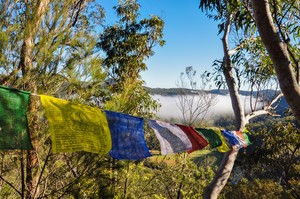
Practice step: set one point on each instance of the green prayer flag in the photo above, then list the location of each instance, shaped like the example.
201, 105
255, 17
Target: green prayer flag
13, 120
211, 136
247, 138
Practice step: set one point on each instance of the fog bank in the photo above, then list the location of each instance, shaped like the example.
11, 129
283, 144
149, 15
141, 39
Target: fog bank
169, 106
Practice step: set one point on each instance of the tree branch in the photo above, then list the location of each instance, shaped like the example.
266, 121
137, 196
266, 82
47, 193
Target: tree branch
12, 186
265, 111
241, 45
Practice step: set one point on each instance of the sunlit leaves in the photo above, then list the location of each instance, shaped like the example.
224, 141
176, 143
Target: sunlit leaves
277, 157
129, 42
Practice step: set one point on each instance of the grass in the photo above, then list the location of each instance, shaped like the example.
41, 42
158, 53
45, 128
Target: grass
207, 157
200, 157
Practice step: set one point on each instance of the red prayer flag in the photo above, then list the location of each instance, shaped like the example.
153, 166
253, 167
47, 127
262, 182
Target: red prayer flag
198, 142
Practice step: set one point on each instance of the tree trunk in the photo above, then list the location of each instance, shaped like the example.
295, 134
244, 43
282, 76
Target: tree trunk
278, 52
213, 190
32, 158
34, 17
224, 170
237, 107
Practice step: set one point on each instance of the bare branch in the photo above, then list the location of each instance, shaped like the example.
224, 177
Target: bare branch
11, 185
43, 169
193, 104
266, 109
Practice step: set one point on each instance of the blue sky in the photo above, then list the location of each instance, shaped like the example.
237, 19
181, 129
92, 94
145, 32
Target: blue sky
191, 39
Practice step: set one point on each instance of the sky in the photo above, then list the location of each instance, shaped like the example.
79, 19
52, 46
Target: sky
191, 39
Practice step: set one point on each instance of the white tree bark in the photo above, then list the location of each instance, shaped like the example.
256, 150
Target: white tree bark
223, 173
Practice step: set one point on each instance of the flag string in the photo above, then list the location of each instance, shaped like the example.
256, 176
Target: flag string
76, 127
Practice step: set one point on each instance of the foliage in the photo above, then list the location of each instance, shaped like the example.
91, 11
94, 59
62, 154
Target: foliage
256, 189
61, 48
244, 56
275, 160
53, 47
183, 178
129, 42
133, 99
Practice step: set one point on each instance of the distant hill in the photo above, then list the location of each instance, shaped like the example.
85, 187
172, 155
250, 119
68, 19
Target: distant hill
167, 91
177, 91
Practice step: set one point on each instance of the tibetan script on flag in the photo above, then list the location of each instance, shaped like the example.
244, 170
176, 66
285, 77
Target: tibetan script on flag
13, 120
76, 127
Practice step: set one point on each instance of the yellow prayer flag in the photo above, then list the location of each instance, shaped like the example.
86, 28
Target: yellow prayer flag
224, 147
76, 127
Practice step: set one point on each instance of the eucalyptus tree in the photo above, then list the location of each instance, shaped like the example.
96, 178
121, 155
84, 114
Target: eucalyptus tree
130, 41
127, 44
278, 25
235, 19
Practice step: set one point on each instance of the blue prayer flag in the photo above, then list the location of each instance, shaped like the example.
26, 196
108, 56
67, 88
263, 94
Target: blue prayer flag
233, 139
127, 133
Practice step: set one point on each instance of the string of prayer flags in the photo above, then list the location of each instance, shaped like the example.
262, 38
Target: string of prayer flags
13, 123
171, 138
198, 142
76, 127
211, 136
127, 132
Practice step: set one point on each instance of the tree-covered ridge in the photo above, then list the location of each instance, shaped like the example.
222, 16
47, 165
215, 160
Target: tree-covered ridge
177, 91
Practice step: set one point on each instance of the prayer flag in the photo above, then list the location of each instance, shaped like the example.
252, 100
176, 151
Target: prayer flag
224, 147
13, 121
127, 132
171, 138
211, 136
246, 138
233, 138
198, 142
76, 127
245, 131
243, 138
